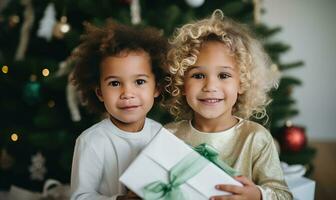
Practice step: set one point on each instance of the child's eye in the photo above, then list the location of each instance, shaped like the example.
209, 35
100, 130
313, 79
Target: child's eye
198, 76
140, 81
224, 76
114, 83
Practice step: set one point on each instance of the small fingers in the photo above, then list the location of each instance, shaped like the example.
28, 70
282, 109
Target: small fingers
230, 188
227, 197
131, 194
244, 180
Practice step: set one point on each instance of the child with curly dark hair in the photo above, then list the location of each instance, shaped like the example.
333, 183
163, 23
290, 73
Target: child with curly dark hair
118, 70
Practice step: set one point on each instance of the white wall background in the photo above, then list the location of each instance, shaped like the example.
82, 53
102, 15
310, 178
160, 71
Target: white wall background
309, 27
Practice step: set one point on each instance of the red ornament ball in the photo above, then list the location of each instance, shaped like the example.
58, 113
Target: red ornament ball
293, 139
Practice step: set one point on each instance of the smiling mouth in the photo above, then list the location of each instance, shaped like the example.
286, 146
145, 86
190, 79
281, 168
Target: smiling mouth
210, 101
129, 107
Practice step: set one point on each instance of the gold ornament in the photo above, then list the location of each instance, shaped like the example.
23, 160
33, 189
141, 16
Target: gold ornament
51, 103
45, 72
14, 137
289, 123
33, 78
13, 20
4, 69
61, 28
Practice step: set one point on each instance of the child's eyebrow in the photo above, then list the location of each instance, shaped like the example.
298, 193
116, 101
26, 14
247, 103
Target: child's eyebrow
146, 75
193, 67
109, 77
227, 67
116, 77
200, 67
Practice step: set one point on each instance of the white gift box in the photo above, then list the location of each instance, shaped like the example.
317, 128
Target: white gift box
157, 159
302, 188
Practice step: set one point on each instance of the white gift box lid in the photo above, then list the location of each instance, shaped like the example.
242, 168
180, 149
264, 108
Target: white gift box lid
164, 152
302, 188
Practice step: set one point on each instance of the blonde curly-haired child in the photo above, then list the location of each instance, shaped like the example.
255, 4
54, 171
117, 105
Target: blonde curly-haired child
220, 76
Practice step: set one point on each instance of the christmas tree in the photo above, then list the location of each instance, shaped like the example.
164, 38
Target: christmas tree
41, 114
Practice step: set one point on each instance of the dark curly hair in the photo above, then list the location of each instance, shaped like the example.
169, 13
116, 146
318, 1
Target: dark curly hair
100, 42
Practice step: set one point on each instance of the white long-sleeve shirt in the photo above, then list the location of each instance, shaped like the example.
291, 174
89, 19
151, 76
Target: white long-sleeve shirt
102, 153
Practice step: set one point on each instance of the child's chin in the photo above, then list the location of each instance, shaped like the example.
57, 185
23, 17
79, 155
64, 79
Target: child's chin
210, 115
133, 120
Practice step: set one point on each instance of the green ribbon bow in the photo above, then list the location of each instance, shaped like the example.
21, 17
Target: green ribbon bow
186, 168
211, 154
189, 166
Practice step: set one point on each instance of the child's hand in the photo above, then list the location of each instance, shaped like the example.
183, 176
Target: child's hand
248, 191
129, 196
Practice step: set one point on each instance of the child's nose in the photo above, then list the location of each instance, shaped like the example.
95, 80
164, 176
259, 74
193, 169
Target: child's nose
127, 92
210, 85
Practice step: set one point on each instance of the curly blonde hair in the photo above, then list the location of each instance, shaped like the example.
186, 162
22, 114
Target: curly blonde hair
255, 74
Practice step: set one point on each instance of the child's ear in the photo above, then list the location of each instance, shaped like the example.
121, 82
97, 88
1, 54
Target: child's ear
99, 94
157, 91
240, 91
183, 92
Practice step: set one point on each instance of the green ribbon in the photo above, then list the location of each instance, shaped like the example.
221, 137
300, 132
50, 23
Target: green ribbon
189, 166
211, 154
186, 168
